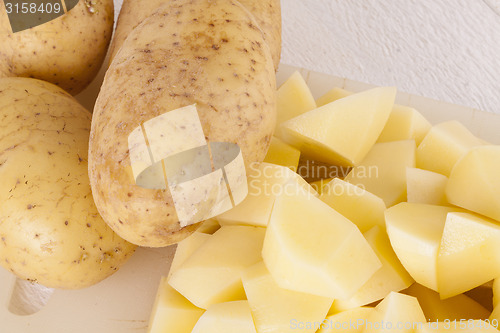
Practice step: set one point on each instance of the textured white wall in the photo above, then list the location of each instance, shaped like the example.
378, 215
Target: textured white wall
444, 49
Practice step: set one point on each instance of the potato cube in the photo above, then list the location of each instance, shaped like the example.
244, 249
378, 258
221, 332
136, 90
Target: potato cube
453, 308
283, 154
228, 317
470, 250
475, 182
443, 146
415, 232
265, 182
185, 248
396, 313
332, 95
277, 310
311, 248
293, 99
383, 171
349, 321
341, 132
212, 274
426, 187
392, 276
347, 199
405, 123
172, 312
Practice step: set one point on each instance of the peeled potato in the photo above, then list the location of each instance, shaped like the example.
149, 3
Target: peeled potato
67, 51
164, 65
50, 230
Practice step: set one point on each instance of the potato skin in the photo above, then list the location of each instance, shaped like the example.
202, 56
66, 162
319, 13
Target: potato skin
206, 52
267, 14
67, 51
50, 230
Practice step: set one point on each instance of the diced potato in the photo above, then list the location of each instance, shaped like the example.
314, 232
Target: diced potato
453, 308
209, 226
283, 154
469, 254
349, 321
392, 276
172, 312
320, 184
277, 310
396, 313
466, 326
185, 248
415, 232
293, 99
426, 187
311, 248
341, 132
265, 182
383, 171
475, 182
405, 123
361, 207
228, 317
443, 146
332, 95
212, 274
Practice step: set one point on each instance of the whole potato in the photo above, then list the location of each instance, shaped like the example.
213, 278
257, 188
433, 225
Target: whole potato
67, 51
50, 230
206, 52
267, 14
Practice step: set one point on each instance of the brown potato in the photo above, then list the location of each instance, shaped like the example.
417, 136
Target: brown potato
206, 52
67, 51
267, 13
50, 230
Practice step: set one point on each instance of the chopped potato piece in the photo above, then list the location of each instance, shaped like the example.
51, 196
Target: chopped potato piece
475, 182
383, 171
172, 312
426, 187
401, 312
283, 154
213, 273
392, 276
332, 95
266, 182
278, 310
311, 248
228, 317
349, 321
405, 123
341, 132
294, 98
415, 232
470, 250
185, 248
443, 146
453, 308
347, 199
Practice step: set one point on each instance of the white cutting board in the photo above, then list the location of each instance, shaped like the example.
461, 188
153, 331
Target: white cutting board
123, 302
